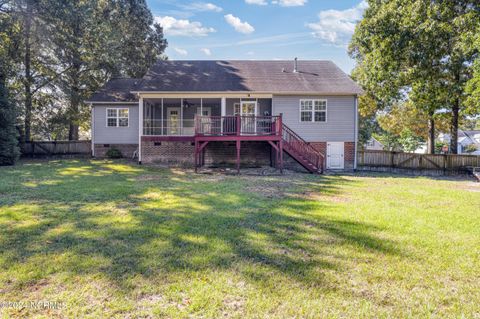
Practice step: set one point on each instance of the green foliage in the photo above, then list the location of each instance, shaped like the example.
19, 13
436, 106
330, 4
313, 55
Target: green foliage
473, 89
9, 151
114, 153
391, 142
69, 49
420, 51
410, 141
439, 146
469, 124
471, 148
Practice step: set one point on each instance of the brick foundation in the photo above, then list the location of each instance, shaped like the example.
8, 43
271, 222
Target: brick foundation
252, 154
349, 154
175, 153
320, 147
126, 149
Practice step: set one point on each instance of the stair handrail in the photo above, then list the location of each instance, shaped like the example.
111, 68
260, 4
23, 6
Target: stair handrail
302, 147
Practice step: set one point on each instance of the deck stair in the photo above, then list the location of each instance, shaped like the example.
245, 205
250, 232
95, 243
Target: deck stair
301, 151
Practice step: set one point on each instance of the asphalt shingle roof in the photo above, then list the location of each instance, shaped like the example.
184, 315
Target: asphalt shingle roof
116, 90
314, 77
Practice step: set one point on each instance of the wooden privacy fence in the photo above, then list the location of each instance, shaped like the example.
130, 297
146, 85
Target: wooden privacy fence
443, 162
50, 148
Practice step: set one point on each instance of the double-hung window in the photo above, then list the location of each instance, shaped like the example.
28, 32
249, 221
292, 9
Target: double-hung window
117, 117
313, 110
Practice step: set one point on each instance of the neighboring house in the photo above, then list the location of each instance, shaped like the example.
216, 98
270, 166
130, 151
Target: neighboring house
466, 140
421, 149
231, 112
373, 145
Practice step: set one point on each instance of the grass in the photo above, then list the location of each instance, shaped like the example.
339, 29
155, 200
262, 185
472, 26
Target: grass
113, 239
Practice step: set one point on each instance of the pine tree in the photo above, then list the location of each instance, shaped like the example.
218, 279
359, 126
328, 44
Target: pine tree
9, 150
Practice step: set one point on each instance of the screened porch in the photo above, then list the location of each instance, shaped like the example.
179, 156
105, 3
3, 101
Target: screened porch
177, 116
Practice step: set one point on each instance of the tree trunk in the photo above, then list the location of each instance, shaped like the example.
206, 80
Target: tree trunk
28, 73
454, 128
74, 109
431, 136
73, 132
74, 87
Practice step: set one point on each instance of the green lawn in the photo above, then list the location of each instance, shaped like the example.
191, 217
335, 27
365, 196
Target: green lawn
114, 239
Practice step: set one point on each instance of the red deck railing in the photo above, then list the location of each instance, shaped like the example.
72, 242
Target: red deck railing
293, 142
238, 125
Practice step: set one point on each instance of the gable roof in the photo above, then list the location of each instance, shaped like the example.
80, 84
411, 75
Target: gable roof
472, 135
313, 77
116, 90
319, 77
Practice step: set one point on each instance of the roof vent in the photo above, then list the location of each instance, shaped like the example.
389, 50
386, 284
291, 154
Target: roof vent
295, 66
283, 70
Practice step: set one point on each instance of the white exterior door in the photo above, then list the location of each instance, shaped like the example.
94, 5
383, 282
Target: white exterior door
173, 121
205, 111
205, 123
335, 155
248, 110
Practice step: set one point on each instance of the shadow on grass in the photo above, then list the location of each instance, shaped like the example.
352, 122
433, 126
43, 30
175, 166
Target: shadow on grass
124, 220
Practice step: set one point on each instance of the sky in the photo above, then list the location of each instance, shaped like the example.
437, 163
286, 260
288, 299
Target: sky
259, 29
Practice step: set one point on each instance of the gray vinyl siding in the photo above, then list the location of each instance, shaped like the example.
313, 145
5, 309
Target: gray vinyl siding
115, 135
340, 125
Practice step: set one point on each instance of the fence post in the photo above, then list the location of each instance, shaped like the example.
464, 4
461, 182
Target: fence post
445, 164
392, 159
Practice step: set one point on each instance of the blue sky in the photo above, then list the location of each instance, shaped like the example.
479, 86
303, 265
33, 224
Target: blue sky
259, 29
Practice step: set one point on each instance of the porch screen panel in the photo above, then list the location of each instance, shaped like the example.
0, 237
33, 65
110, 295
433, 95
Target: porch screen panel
152, 116
172, 112
212, 125
190, 108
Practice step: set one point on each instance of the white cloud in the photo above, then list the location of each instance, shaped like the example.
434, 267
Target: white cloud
202, 6
179, 27
250, 53
290, 3
257, 2
206, 51
238, 25
337, 26
181, 51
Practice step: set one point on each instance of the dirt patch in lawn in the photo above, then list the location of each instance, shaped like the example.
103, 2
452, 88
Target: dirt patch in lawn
471, 187
317, 196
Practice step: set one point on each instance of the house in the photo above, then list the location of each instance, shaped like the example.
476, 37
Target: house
373, 145
280, 113
467, 141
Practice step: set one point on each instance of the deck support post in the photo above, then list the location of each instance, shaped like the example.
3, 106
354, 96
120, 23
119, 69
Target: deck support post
281, 155
277, 156
238, 156
196, 156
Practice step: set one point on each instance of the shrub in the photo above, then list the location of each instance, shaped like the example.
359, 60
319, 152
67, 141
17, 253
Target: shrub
114, 153
470, 148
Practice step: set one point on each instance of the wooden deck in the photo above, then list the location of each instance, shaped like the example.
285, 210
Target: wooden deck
240, 129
